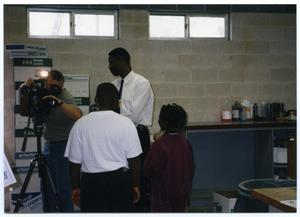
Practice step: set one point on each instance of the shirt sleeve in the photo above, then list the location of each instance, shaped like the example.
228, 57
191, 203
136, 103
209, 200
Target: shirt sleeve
68, 98
74, 146
143, 98
191, 167
155, 160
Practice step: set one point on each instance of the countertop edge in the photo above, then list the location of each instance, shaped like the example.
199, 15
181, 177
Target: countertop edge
240, 125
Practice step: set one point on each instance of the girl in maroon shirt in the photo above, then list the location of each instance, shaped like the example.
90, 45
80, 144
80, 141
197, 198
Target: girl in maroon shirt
169, 163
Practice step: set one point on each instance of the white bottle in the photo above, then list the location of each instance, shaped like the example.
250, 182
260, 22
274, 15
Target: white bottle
226, 114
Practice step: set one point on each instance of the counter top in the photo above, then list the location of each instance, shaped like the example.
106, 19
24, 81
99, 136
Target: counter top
277, 197
240, 124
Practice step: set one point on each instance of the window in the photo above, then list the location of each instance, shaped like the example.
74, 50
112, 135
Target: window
187, 26
49, 24
167, 26
94, 25
207, 27
71, 24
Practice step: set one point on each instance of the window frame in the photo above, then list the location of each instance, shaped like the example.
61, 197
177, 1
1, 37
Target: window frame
72, 23
187, 23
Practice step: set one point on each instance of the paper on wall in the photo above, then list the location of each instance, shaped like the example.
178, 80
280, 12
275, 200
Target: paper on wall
9, 177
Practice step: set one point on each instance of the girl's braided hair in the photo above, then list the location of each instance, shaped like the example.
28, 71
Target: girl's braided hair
172, 118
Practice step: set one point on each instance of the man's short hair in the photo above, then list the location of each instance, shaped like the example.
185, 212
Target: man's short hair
120, 54
57, 75
172, 118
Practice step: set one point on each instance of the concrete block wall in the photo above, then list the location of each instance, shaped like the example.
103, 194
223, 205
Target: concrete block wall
258, 62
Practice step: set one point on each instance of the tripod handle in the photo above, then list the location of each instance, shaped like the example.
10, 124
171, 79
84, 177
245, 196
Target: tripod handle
25, 135
24, 144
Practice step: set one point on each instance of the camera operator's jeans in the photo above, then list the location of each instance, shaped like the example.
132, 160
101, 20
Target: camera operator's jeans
59, 171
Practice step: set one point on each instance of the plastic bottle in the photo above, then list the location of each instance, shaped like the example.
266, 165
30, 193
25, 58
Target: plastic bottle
255, 112
263, 110
226, 115
236, 111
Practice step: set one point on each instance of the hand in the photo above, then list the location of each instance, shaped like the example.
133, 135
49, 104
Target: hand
76, 197
136, 194
29, 82
51, 97
159, 134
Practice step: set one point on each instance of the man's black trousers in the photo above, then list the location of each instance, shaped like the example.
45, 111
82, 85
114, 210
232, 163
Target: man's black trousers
106, 192
144, 204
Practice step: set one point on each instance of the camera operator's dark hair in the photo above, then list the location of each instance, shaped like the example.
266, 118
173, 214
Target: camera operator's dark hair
107, 96
172, 118
57, 75
120, 54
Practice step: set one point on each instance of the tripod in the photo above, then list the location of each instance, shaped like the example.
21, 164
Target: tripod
44, 174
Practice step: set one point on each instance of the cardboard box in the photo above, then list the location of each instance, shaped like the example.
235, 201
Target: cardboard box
224, 201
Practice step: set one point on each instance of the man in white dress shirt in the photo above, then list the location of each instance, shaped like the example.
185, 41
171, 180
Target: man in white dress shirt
136, 102
104, 145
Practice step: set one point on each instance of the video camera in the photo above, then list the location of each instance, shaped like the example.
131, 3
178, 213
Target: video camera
31, 98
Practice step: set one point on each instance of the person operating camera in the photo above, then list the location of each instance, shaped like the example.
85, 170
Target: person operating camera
57, 125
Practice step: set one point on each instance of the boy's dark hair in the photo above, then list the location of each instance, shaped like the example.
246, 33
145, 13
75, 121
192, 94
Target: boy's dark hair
172, 118
120, 54
107, 96
56, 75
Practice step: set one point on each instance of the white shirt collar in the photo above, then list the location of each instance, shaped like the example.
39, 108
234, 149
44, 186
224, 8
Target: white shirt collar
128, 76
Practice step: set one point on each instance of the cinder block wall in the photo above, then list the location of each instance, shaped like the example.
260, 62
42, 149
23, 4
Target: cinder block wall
258, 63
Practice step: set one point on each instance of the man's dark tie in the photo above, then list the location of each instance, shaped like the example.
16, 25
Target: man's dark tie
120, 90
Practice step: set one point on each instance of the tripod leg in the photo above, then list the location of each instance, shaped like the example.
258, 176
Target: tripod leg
46, 183
44, 189
25, 184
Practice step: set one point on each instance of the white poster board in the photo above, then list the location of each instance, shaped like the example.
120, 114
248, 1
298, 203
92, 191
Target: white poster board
9, 177
79, 87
